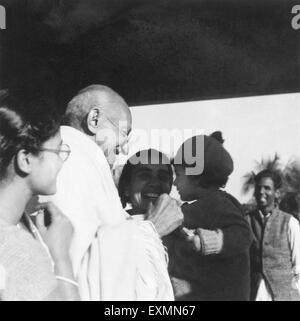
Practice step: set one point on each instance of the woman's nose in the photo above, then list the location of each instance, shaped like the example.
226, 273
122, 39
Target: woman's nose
154, 182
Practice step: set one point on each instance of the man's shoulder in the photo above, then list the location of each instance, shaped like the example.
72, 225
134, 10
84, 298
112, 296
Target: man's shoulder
252, 213
285, 215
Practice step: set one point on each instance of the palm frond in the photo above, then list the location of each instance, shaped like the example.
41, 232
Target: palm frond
292, 177
248, 182
272, 164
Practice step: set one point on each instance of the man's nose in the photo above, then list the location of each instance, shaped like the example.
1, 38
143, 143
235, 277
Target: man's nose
124, 149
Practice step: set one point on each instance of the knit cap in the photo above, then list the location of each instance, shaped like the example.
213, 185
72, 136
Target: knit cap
206, 153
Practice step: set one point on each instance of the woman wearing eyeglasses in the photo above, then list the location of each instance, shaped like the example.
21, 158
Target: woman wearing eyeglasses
35, 262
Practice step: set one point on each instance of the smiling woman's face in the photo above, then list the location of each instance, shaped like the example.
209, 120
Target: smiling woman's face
147, 183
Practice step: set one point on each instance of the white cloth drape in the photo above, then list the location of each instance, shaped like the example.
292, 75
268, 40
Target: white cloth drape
113, 258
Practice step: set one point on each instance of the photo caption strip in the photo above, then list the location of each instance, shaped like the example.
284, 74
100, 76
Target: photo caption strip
159, 310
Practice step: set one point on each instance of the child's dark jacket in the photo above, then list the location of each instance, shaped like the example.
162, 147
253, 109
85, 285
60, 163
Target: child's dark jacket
224, 276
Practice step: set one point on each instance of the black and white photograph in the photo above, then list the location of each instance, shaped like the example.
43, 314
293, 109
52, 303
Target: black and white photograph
149, 152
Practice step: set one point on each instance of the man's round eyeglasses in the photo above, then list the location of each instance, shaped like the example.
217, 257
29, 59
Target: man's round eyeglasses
122, 133
64, 151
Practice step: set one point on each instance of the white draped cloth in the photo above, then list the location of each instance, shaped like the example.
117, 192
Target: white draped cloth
113, 257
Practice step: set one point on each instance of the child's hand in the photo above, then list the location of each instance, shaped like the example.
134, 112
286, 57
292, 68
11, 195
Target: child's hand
187, 234
192, 238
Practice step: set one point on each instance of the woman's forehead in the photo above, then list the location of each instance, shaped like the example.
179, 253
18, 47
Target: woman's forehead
150, 167
150, 156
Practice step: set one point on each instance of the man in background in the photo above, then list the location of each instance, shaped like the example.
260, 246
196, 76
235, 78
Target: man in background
275, 252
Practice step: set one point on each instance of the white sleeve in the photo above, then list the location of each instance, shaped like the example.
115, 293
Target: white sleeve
294, 241
2, 278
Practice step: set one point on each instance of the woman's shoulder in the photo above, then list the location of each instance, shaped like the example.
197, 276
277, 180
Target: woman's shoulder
15, 238
10, 237
27, 266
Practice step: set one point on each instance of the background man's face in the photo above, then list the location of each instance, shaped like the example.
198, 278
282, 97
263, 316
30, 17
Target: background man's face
265, 193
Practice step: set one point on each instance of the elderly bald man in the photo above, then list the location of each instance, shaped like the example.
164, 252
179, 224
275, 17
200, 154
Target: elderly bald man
113, 256
103, 115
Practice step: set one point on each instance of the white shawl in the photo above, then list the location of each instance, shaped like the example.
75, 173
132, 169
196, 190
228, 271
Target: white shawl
113, 257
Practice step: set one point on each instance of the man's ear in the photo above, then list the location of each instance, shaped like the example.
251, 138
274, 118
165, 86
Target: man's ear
93, 120
277, 194
24, 162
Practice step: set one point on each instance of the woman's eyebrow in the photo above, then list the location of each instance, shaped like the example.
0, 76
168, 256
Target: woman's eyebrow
143, 169
163, 171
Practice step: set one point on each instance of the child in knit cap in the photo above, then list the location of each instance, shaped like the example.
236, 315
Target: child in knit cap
209, 255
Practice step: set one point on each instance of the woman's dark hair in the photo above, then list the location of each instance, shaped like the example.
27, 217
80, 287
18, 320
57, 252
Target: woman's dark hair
26, 122
125, 177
